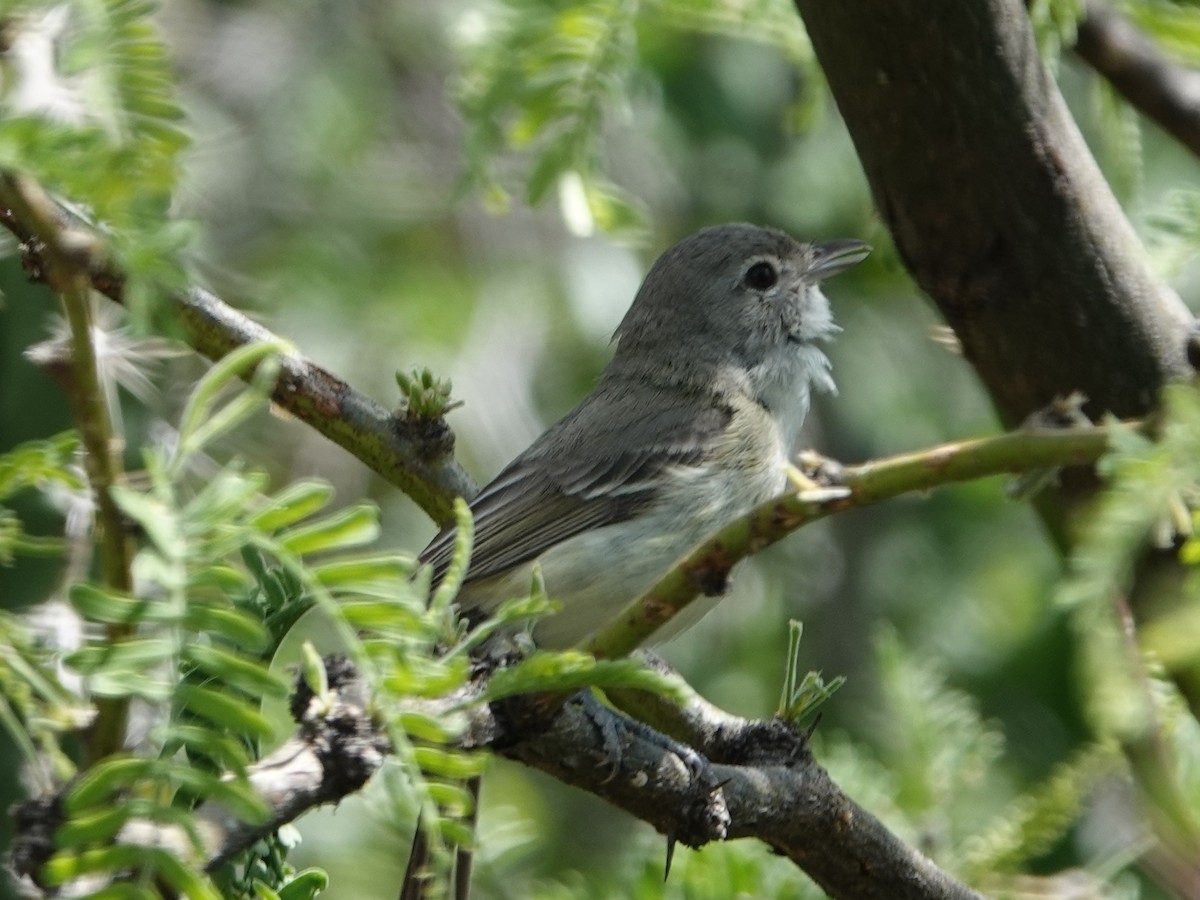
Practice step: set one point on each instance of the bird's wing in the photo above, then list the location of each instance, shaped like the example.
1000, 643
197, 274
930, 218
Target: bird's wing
592, 479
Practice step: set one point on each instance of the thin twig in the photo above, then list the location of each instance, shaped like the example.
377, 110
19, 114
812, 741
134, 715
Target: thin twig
68, 276
414, 453
706, 567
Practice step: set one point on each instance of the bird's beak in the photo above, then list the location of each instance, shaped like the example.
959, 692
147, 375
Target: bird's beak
836, 256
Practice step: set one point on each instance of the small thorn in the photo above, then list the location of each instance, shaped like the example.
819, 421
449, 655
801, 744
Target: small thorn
811, 729
670, 856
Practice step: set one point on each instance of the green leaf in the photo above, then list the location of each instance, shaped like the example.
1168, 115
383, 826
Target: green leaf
223, 500
103, 779
41, 462
802, 695
200, 422
224, 710
183, 878
392, 622
117, 155
539, 83
235, 795
1035, 822
222, 748
424, 727
449, 764
360, 572
415, 676
137, 655
129, 683
235, 670
315, 675
102, 824
156, 519
451, 797
350, 527
222, 579
97, 605
297, 501
94, 826
64, 867
305, 885
456, 833
460, 559
233, 625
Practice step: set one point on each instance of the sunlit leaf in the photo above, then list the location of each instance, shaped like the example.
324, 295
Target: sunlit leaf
295, 502
235, 670
351, 527
224, 710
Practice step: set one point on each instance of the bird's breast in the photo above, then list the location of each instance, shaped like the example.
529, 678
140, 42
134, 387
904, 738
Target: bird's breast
746, 466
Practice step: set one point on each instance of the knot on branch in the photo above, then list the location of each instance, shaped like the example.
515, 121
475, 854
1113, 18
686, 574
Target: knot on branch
758, 742
34, 822
347, 741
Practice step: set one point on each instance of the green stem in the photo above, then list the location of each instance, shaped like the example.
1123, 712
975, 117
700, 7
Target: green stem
67, 274
38, 545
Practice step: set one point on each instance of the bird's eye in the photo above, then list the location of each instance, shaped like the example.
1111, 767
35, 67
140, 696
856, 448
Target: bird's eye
761, 276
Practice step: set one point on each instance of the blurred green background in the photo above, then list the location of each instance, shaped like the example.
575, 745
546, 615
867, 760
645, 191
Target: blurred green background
326, 179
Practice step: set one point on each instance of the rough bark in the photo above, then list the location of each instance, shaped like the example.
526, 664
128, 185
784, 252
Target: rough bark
995, 203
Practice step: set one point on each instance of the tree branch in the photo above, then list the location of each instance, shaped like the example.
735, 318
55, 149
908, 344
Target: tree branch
777, 793
705, 568
1165, 92
411, 452
783, 798
788, 801
335, 751
1003, 218
1047, 290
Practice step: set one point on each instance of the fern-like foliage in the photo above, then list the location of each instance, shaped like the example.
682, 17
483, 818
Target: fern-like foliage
1031, 825
1174, 231
538, 82
87, 107
1153, 489
221, 576
224, 571
540, 77
1173, 25
941, 758
772, 22
1054, 23
41, 465
1151, 485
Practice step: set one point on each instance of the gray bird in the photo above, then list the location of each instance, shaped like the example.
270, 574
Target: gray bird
691, 425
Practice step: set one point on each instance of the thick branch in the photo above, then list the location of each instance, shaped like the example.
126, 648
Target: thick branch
776, 793
1003, 218
413, 453
995, 204
788, 801
1163, 91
